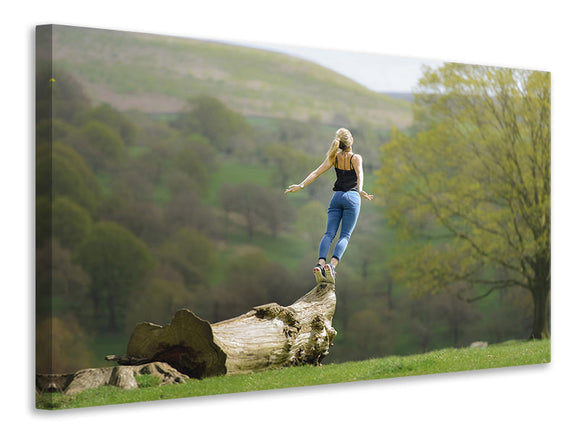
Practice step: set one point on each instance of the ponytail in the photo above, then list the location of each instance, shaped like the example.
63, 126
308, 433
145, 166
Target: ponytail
342, 140
333, 150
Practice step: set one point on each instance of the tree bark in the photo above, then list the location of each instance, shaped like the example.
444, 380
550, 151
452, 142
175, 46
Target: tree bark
540, 328
540, 289
268, 336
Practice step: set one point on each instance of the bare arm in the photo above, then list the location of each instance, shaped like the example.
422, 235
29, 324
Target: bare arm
358, 167
325, 166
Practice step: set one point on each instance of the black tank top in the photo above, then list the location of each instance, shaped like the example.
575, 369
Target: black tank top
346, 179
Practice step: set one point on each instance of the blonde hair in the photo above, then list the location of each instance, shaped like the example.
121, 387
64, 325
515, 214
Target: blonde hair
343, 140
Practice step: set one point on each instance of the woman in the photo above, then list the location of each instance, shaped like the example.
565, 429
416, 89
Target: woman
345, 203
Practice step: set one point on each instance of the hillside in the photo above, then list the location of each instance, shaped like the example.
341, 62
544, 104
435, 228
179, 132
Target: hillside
157, 74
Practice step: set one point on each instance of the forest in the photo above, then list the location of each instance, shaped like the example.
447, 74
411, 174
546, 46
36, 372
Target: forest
140, 214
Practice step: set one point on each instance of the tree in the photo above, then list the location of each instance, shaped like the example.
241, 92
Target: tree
455, 314
310, 223
251, 278
192, 254
158, 301
211, 118
288, 163
117, 263
60, 170
142, 218
257, 205
107, 115
275, 210
188, 162
187, 210
99, 144
62, 97
70, 222
62, 288
472, 188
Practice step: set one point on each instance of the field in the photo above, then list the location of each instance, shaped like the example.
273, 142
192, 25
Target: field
506, 354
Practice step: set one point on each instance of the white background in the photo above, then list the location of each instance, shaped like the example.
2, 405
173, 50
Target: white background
527, 34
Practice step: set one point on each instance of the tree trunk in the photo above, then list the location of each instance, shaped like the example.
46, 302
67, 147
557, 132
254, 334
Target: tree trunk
540, 291
540, 328
268, 336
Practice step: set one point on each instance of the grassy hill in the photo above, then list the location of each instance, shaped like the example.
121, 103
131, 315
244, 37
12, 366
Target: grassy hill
157, 74
441, 361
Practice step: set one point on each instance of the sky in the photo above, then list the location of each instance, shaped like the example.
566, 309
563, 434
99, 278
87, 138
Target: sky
378, 72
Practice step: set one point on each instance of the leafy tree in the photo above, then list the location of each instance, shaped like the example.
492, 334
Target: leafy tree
287, 162
192, 254
367, 142
118, 263
250, 278
275, 210
257, 205
134, 180
187, 161
62, 287
208, 116
243, 200
310, 223
71, 222
106, 114
472, 188
178, 162
143, 219
99, 144
58, 95
201, 146
60, 170
50, 131
159, 301
186, 210
310, 136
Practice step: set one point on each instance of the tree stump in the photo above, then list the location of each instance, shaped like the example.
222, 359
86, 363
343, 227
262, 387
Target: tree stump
268, 336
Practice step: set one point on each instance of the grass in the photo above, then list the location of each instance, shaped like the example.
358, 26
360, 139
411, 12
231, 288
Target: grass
507, 354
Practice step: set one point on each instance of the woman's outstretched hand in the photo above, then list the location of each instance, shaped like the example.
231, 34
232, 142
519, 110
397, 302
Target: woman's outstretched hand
366, 195
293, 188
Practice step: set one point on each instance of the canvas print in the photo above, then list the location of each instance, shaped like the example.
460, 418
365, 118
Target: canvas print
217, 217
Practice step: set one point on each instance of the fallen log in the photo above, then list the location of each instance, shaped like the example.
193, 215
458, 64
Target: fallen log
123, 377
268, 336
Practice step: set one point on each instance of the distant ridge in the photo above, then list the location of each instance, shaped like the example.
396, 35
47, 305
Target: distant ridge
157, 74
405, 96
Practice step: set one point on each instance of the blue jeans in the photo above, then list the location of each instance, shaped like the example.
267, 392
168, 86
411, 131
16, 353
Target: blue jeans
344, 207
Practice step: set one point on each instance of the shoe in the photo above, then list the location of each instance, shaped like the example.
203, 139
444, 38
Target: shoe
330, 273
319, 273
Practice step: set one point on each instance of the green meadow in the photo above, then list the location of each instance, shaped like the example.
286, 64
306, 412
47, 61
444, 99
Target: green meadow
511, 353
